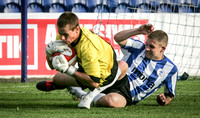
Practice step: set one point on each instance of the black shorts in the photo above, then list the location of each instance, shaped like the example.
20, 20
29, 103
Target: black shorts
123, 88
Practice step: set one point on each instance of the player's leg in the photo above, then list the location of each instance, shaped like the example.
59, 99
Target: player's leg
60, 81
87, 99
112, 100
117, 96
64, 80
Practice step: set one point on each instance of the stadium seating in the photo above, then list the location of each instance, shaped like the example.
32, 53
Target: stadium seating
53, 5
112, 5
144, 7
12, 8
164, 6
104, 6
35, 7
185, 9
122, 7
79, 6
57, 7
184, 6
9, 6
101, 6
91, 4
32, 1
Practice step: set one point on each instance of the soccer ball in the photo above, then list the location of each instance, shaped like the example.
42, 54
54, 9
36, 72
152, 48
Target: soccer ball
69, 53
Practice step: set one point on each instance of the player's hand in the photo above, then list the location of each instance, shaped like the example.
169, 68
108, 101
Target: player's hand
161, 99
61, 64
146, 28
53, 47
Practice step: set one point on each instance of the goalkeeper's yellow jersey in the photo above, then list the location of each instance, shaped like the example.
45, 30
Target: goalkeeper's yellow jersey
94, 54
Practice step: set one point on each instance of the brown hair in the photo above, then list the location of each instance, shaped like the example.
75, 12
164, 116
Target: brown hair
160, 36
68, 18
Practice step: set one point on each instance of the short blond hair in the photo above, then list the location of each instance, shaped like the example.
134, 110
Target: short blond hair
160, 36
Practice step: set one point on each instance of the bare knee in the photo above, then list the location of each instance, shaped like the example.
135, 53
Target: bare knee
112, 100
123, 67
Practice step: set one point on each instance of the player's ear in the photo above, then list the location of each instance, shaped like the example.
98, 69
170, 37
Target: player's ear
77, 29
163, 48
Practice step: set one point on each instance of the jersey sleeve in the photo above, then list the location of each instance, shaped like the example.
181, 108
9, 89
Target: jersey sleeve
133, 44
170, 84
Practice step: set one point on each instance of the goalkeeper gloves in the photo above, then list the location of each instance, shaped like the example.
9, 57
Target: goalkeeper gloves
61, 64
55, 46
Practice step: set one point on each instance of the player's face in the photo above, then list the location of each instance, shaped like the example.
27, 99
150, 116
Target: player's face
69, 35
154, 50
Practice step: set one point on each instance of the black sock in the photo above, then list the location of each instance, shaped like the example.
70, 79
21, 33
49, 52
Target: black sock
55, 86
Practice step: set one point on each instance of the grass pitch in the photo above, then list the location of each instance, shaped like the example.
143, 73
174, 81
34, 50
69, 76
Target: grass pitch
23, 100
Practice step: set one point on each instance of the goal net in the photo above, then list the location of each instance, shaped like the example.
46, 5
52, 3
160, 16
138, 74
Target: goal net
177, 18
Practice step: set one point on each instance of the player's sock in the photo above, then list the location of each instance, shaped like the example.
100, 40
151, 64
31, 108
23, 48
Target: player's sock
48, 86
76, 91
96, 98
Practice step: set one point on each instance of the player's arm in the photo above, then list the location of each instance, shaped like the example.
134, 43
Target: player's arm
164, 99
85, 79
49, 63
61, 64
121, 37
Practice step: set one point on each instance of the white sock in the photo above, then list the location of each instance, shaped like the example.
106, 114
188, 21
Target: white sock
96, 98
77, 91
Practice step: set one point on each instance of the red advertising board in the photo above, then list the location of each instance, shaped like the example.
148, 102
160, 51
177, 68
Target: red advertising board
41, 32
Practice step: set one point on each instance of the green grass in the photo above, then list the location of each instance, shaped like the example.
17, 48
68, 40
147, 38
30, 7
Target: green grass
23, 100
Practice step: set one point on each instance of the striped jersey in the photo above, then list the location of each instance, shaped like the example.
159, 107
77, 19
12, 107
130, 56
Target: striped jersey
145, 75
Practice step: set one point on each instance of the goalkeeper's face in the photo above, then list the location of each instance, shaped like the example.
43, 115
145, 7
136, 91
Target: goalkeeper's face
68, 34
154, 50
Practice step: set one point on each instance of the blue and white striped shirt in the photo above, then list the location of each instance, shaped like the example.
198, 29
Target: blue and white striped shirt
146, 76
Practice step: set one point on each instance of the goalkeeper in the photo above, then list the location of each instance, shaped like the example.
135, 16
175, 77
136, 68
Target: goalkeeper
98, 68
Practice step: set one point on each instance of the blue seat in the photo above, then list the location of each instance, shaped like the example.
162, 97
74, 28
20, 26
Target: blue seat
70, 3
77, 4
184, 6
57, 8
156, 3
165, 6
91, 4
35, 7
12, 8
54, 5
144, 8
112, 4
46, 5
101, 9
4, 2
185, 9
101, 6
34, 1
123, 7
79, 8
